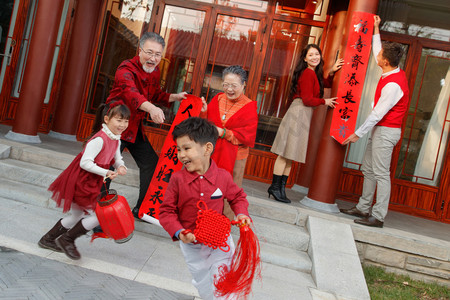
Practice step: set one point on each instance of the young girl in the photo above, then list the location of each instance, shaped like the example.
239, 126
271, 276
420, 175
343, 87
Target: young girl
291, 141
77, 187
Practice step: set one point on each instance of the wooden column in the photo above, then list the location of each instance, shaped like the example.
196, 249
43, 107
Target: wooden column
330, 156
334, 38
37, 71
75, 78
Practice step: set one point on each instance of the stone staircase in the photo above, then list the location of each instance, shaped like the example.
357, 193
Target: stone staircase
26, 172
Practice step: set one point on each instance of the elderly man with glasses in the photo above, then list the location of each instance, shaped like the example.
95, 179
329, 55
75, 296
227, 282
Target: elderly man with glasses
137, 83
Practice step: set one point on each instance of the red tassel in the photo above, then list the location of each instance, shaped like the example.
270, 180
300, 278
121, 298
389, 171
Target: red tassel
97, 235
246, 264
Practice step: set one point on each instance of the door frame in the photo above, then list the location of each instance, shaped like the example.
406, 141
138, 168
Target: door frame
212, 11
10, 70
351, 180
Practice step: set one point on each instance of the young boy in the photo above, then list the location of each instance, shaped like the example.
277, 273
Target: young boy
200, 179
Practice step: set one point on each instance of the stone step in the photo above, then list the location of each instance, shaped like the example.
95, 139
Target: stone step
282, 234
60, 161
145, 258
36, 168
27, 183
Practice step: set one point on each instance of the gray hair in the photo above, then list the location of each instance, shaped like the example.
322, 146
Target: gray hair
151, 36
236, 70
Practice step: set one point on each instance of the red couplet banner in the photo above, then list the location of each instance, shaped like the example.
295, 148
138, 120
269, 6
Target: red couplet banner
168, 162
351, 82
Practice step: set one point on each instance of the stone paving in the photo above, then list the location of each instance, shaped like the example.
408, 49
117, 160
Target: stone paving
26, 276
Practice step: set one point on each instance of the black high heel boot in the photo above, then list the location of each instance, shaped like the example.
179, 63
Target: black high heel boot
284, 179
274, 189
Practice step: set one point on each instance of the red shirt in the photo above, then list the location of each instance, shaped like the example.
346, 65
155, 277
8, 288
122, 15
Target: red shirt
308, 88
179, 208
134, 86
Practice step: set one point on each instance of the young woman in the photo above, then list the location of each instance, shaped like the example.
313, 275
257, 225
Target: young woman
291, 141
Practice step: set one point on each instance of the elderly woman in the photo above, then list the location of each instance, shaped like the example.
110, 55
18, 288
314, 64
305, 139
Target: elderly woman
236, 120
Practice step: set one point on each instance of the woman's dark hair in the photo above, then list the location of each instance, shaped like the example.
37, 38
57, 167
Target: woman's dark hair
236, 70
392, 52
302, 65
197, 129
111, 110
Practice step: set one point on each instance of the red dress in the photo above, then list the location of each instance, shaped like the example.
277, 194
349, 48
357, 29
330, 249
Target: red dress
76, 185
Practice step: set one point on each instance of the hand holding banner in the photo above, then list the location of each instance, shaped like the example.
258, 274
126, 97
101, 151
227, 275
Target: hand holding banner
167, 163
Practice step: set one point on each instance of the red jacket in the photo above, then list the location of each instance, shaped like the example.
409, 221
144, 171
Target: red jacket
135, 86
394, 117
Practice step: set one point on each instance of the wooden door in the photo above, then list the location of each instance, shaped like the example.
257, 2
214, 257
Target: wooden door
420, 162
13, 23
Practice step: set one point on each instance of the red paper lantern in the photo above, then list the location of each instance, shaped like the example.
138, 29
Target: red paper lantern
115, 217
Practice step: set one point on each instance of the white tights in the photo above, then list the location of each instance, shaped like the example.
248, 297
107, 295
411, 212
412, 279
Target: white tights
76, 214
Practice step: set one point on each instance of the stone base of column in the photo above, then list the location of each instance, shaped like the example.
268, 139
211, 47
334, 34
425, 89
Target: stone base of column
62, 136
300, 189
23, 138
320, 206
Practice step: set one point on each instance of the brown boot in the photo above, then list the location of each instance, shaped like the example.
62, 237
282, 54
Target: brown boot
48, 240
66, 241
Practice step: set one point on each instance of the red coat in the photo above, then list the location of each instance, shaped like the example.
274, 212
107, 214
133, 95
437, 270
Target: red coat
134, 86
243, 124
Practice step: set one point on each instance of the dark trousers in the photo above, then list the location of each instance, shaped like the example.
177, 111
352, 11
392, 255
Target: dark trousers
146, 159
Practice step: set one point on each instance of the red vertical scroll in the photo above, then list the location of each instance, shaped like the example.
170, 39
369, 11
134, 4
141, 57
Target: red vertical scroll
168, 163
353, 74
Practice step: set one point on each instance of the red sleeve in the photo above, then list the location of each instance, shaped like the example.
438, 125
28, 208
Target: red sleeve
309, 88
235, 195
126, 78
168, 211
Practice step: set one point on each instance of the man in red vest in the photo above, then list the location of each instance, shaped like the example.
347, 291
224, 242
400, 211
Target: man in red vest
384, 122
137, 84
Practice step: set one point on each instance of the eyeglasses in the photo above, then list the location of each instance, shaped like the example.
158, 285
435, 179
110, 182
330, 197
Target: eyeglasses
152, 54
233, 86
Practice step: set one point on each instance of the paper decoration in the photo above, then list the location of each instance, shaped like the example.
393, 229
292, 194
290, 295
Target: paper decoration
351, 82
168, 163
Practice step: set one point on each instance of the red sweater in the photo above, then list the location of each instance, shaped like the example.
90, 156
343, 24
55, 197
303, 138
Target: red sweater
394, 117
308, 88
135, 86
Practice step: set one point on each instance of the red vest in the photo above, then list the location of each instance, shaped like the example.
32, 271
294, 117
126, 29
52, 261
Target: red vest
394, 116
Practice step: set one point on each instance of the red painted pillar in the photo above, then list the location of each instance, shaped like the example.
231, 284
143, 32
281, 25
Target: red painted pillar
76, 71
37, 71
330, 156
332, 43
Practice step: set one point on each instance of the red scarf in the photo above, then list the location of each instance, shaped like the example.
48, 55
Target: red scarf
243, 124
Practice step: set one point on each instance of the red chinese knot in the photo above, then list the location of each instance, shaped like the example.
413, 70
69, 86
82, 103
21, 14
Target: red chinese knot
212, 229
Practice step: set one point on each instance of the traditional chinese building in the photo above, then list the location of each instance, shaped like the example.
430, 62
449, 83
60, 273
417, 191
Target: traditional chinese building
58, 59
